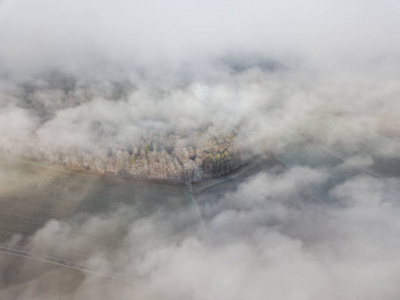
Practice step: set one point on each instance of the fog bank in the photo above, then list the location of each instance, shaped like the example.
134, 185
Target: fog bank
186, 91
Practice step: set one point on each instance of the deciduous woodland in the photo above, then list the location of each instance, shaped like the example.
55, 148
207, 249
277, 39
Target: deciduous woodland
165, 154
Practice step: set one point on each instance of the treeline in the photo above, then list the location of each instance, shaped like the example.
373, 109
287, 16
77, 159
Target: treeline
179, 160
52, 122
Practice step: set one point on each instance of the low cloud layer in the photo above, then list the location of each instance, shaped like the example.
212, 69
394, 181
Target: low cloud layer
77, 35
98, 78
99, 84
265, 238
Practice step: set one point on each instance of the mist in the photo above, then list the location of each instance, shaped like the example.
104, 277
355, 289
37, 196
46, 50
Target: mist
160, 90
265, 238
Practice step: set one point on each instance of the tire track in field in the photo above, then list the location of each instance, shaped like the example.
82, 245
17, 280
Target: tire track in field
68, 264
